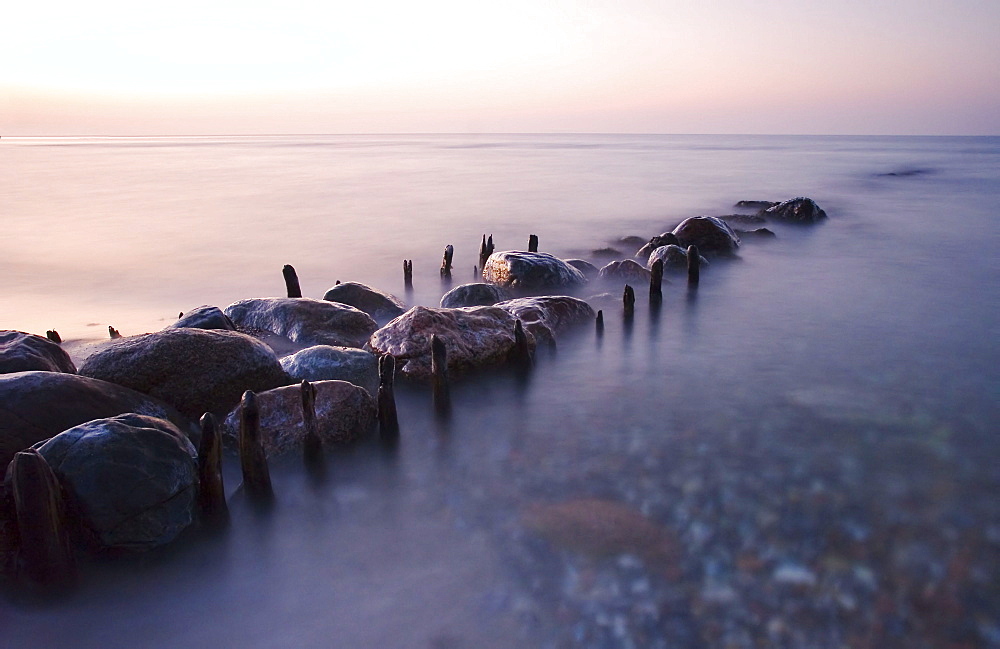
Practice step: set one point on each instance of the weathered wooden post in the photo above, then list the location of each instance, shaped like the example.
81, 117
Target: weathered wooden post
600, 323
533, 243
449, 253
54, 336
656, 282
253, 461
113, 332
521, 353
312, 445
694, 265
408, 273
439, 376
628, 301
485, 250
388, 421
212, 506
46, 555
291, 281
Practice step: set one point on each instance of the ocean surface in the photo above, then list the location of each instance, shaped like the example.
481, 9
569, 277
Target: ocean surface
813, 433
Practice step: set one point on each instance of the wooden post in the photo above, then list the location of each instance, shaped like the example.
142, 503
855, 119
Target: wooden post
53, 335
211, 491
291, 281
533, 243
600, 323
253, 461
656, 282
113, 332
694, 265
439, 376
312, 445
485, 250
408, 273
388, 421
521, 353
449, 253
47, 559
628, 300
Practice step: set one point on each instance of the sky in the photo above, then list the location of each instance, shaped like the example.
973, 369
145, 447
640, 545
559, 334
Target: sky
120, 67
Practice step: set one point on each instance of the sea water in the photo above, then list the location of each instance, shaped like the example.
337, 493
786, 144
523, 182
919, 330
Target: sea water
837, 381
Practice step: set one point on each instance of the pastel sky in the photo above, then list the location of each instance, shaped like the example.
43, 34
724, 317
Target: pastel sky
119, 67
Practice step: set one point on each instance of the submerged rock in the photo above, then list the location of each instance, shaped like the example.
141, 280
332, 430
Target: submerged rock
475, 294
473, 337
194, 370
382, 307
743, 219
757, 233
329, 363
709, 233
204, 317
626, 271
23, 352
673, 258
304, 320
549, 315
588, 269
130, 481
344, 414
796, 210
35, 406
530, 271
660, 240
755, 205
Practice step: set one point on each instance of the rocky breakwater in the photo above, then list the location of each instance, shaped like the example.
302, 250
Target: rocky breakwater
304, 320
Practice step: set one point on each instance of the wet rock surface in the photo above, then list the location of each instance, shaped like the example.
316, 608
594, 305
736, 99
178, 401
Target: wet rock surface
474, 337
530, 271
475, 294
204, 317
674, 258
35, 406
194, 370
548, 316
588, 269
24, 352
626, 271
344, 414
329, 363
130, 481
709, 233
381, 306
796, 210
304, 320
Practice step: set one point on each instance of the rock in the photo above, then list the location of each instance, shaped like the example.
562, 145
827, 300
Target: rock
588, 269
329, 363
304, 320
204, 317
474, 337
613, 253
665, 239
194, 370
130, 481
796, 210
530, 271
626, 271
476, 294
755, 205
709, 233
35, 406
673, 257
743, 219
631, 241
549, 315
344, 414
757, 233
382, 307
22, 352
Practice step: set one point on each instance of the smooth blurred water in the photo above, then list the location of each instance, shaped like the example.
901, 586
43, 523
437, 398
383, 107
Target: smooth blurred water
886, 316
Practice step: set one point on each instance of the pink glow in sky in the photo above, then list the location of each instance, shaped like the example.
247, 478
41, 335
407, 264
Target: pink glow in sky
724, 66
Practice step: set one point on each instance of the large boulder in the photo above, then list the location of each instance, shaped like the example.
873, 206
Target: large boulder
22, 352
547, 316
130, 481
473, 337
530, 271
204, 317
344, 414
35, 406
673, 258
329, 363
625, 270
710, 233
194, 370
588, 269
304, 320
665, 239
796, 210
476, 294
382, 307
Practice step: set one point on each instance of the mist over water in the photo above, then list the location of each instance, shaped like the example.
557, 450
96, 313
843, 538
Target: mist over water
858, 354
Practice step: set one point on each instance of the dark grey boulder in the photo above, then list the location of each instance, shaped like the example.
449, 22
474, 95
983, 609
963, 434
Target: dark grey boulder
204, 317
344, 414
474, 337
743, 219
711, 234
757, 233
194, 370
626, 271
658, 241
23, 352
382, 307
796, 210
130, 481
673, 258
329, 363
35, 406
530, 271
755, 205
588, 269
475, 294
631, 241
304, 320
547, 316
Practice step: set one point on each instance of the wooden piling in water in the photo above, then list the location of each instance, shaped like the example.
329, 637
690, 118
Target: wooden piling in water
253, 461
694, 265
408, 273
439, 376
388, 421
485, 250
533, 243
600, 322
212, 507
628, 300
521, 354
312, 445
656, 281
54, 336
291, 281
449, 253
113, 333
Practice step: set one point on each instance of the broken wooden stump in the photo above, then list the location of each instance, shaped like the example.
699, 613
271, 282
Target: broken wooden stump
291, 281
439, 376
449, 253
212, 507
312, 445
694, 265
388, 421
408, 273
532, 243
253, 461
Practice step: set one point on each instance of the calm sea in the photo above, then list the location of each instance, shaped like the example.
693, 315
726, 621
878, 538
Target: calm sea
838, 381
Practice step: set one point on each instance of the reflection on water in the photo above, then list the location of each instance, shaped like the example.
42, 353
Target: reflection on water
801, 452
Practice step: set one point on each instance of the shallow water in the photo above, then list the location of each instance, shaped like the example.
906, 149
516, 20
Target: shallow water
836, 382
